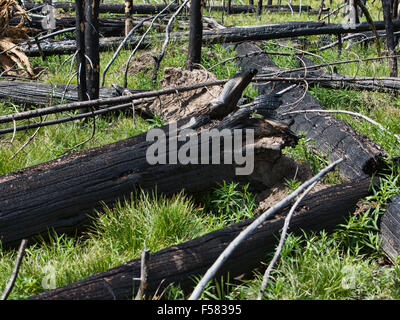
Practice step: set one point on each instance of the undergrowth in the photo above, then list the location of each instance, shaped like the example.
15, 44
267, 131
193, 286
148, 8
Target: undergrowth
345, 264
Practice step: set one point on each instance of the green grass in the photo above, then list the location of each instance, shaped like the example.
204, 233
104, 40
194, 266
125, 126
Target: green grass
345, 264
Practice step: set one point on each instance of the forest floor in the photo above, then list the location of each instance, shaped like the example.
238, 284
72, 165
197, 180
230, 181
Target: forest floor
345, 264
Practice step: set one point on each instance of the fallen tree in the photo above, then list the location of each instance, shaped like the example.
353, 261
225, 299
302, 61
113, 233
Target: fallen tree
60, 194
180, 264
332, 136
317, 76
40, 94
389, 225
226, 35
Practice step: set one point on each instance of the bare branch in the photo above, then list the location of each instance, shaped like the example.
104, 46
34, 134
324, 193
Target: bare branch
282, 241
14, 274
211, 272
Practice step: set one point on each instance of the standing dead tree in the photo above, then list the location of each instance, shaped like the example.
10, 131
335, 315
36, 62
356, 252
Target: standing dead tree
80, 53
195, 35
87, 44
390, 43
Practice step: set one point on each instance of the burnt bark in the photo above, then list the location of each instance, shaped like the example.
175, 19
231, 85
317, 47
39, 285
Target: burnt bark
195, 35
80, 45
41, 94
156, 8
389, 225
179, 264
92, 61
128, 16
227, 35
259, 8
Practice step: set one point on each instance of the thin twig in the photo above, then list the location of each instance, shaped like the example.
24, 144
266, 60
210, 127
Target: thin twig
83, 142
371, 23
245, 233
122, 44
159, 58
281, 241
14, 274
264, 75
332, 12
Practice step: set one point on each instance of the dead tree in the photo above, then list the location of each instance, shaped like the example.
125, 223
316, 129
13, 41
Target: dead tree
395, 9
61, 193
195, 35
180, 264
92, 48
389, 225
80, 46
390, 43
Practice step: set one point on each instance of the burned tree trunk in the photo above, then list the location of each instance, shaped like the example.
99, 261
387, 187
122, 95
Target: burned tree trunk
92, 49
41, 94
195, 35
390, 43
259, 8
389, 225
61, 193
395, 8
226, 35
80, 45
180, 264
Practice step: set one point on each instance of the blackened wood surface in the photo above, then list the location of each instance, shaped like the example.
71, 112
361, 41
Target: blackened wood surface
156, 8
179, 264
40, 94
92, 61
80, 45
390, 229
195, 35
226, 35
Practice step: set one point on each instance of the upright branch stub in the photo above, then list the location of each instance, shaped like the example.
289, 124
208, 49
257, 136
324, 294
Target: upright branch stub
195, 34
227, 101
